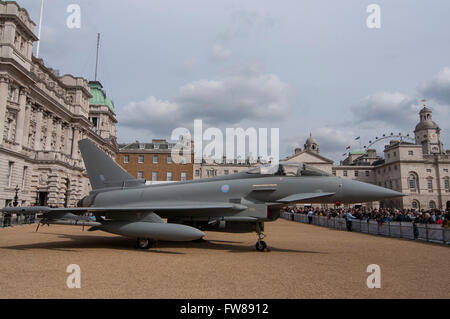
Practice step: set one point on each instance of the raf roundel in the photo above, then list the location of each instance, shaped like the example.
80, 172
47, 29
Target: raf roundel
225, 188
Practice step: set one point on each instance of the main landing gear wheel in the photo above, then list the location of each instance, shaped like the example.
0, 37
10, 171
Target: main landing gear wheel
260, 244
144, 243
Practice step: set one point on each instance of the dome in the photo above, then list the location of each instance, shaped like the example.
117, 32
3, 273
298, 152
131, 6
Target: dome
311, 140
425, 110
99, 96
426, 125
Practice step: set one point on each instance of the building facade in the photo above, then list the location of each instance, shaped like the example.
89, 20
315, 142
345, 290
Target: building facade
154, 163
42, 118
420, 170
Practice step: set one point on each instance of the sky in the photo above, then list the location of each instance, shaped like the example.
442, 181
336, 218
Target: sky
300, 66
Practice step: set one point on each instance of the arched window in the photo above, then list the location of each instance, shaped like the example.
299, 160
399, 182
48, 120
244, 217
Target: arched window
432, 204
413, 182
415, 204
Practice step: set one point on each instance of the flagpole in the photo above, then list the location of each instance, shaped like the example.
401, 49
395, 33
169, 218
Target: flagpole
39, 29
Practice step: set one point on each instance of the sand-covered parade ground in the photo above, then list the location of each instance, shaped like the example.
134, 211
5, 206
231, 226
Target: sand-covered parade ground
305, 261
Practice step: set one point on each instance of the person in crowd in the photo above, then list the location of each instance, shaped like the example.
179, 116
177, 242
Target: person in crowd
310, 216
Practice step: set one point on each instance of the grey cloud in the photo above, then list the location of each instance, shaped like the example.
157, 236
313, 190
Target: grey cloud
244, 22
438, 88
395, 108
227, 101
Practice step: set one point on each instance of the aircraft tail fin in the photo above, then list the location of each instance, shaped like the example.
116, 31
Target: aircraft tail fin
102, 171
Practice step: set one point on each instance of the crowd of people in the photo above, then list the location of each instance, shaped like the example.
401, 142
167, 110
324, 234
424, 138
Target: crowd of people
381, 215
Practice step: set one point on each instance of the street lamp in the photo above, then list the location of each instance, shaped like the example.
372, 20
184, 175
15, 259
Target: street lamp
16, 197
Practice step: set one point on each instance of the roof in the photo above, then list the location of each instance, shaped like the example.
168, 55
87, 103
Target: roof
357, 153
426, 125
310, 140
425, 110
99, 95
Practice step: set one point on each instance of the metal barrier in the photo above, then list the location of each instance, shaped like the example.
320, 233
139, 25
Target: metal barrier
426, 232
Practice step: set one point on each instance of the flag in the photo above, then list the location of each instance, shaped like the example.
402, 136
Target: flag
357, 138
348, 147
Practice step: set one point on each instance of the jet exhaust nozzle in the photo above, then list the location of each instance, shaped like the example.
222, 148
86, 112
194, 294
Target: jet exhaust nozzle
159, 231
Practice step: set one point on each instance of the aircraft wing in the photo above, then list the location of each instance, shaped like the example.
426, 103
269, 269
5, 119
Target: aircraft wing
155, 207
303, 196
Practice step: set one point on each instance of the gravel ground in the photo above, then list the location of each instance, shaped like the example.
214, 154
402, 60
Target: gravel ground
305, 261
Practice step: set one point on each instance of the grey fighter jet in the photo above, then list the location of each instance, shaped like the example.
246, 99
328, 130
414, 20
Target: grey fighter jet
240, 202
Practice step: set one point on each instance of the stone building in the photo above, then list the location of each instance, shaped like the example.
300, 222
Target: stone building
420, 170
42, 118
153, 161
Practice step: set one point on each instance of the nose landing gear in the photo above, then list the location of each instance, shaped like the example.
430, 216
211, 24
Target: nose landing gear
260, 244
144, 243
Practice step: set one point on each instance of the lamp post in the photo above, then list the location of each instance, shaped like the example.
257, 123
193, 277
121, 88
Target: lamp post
16, 197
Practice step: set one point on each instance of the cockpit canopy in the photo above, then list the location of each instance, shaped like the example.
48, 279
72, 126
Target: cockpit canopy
288, 169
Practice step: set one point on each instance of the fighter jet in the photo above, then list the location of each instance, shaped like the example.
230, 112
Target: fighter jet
240, 202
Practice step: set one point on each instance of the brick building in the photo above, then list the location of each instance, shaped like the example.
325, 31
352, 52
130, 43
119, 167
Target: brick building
153, 162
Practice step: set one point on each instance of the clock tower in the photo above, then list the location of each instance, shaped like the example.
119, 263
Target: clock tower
427, 133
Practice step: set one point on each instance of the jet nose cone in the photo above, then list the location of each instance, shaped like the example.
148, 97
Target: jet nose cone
355, 191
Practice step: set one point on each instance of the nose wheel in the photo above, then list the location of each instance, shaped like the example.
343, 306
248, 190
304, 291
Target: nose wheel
144, 243
260, 244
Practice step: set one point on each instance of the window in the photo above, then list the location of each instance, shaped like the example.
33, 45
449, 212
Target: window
140, 175
390, 184
126, 159
446, 170
412, 181
428, 170
356, 173
197, 172
156, 146
155, 159
169, 176
235, 171
415, 204
10, 171
430, 184
410, 153
94, 121
395, 154
226, 172
183, 176
345, 173
141, 146
446, 184
432, 204
367, 173
141, 159
389, 155
24, 176
169, 159
154, 176
333, 172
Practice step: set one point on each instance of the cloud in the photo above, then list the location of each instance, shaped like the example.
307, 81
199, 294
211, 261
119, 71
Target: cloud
226, 101
438, 88
392, 108
151, 114
245, 22
220, 52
